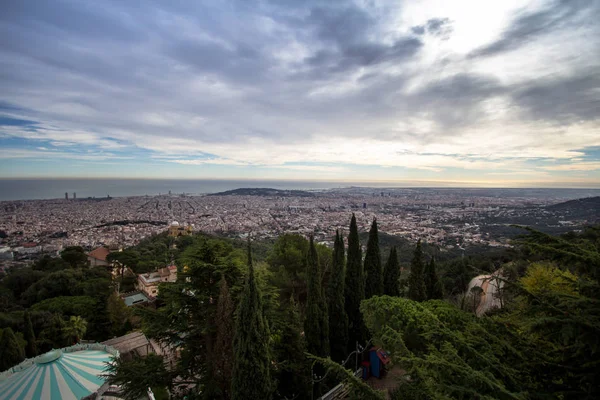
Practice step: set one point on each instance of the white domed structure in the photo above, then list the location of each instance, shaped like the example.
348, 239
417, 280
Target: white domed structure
174, 223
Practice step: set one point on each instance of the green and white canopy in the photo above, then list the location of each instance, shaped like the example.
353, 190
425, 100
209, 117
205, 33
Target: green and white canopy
68, 374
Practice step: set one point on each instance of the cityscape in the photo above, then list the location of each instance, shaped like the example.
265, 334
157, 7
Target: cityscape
447, 218
300, 200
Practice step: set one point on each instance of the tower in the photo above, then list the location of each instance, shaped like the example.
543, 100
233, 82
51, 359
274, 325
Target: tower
66, 195
74, 196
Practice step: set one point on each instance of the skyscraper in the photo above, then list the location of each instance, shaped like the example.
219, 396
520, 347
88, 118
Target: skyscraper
66, 195
74, 195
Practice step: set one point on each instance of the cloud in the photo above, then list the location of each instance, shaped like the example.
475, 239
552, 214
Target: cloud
531, 25
283, 84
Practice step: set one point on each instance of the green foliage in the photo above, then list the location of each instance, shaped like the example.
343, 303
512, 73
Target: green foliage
316, 324
118, 314
354, 288
287, 263
51, 336
31, 347
223, 352
373, 269
338, 319
11, 351
292, 367
251, 368
456, 276
68, 305
359, 389
391, 275
449, 353
50, 264
137, 375
433, 286
74, 329
74, 256
416, 281
20, 280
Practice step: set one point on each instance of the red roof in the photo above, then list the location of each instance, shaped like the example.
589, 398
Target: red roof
99, 254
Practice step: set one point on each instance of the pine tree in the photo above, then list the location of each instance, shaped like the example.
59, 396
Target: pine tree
373, 271
391, 275
11, 353
354, 288
416, 281
31, 348
338, 320
316, 324
223, 350
251, 376
432, 282
293, 378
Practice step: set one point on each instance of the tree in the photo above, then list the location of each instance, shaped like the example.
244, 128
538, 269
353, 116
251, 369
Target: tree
31, 348
475, 293
118, 314
354, 288
456, 355
432, 283
391, 274
293, 369
51, 336
137, 375
373, 271
223, 359
416, 281
251, 377
316, 324
74, 329
75, 256
338, 320
11, 353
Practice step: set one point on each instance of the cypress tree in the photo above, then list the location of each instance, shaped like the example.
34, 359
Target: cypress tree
251, 376
373, 271
338, 320
354, 288
416, 281
294, 380
31, 348
316, 324
391, 275
11, 353
432, 282
223, 350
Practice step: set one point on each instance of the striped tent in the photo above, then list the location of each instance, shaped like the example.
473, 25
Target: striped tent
70, 373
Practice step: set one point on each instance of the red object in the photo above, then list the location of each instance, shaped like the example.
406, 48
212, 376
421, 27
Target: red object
366, 369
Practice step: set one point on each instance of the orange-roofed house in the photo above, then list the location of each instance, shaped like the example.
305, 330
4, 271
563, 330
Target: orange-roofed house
97, 257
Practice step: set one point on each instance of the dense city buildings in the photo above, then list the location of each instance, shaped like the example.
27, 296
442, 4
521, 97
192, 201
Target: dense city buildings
448, 218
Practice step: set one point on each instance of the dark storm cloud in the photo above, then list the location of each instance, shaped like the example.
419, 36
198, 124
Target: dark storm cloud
529, 26
564, 100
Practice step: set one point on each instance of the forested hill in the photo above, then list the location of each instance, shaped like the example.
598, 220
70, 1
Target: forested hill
588, 208
264, 192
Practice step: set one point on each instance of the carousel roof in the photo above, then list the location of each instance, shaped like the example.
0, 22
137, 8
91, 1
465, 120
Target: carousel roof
69, 373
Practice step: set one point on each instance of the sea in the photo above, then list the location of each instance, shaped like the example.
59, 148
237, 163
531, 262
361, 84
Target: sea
36, 189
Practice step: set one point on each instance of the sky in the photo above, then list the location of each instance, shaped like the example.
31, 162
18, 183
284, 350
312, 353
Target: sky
493, 93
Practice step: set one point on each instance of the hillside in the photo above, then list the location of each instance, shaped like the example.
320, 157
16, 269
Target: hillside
586, 208
263, 192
